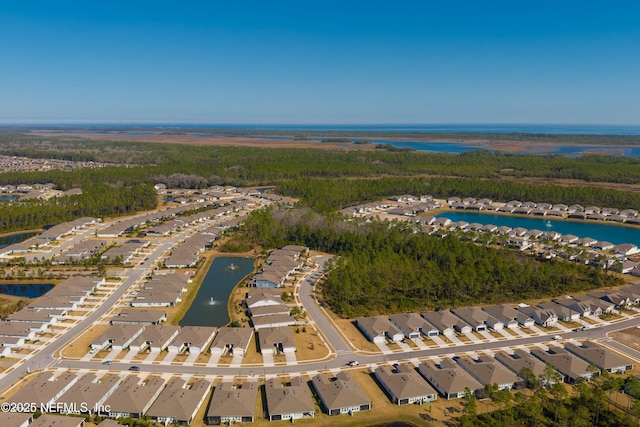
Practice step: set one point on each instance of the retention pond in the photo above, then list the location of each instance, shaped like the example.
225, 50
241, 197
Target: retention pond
209, 308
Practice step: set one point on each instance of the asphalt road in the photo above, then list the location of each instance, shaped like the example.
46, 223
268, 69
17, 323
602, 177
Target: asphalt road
44, 357
343, 351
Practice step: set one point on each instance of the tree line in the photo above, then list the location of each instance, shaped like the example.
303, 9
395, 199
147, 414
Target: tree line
389, 267
96, 200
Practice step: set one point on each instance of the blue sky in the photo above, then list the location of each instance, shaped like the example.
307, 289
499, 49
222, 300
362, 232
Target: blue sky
320, 62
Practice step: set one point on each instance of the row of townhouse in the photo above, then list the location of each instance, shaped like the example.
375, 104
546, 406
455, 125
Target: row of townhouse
45, 238
523, 238
234, 402
598, 253
397, 327
154, 338
178, 400
266, 308
161, 290
125, 252
546, 209
454, 378
281, 264
167, 227
187, 253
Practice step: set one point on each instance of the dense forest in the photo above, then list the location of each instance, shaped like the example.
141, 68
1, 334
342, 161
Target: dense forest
389, 267
588, 404
265, 166
96, 200
326, 195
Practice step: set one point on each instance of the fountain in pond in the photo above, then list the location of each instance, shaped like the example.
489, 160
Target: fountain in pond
232, 267
212, 301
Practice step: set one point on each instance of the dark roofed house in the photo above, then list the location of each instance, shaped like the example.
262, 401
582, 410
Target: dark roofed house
449, 379
412, 325
403, 385
519, 360
340, 394
378, 328
477, 318
570, 366
291, 401
488, 372
509, 316
603, 358
179, 401
233, 403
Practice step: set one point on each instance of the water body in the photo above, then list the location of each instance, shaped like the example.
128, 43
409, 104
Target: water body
209, 308
615, 234
26, 290
8, 197
15, 238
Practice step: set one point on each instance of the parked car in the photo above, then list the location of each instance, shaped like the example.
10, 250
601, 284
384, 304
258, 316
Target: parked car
353, 363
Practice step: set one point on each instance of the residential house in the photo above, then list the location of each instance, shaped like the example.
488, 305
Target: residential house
179, 401
477, 318
451, 381
192, 339
133, 397
542, 317
570, 366
290, 401
276, 340
603, 358
488, 372
340, 394
233, 403
232, 341
519, 360
403, 385
412, 325
508, 316
378, 328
